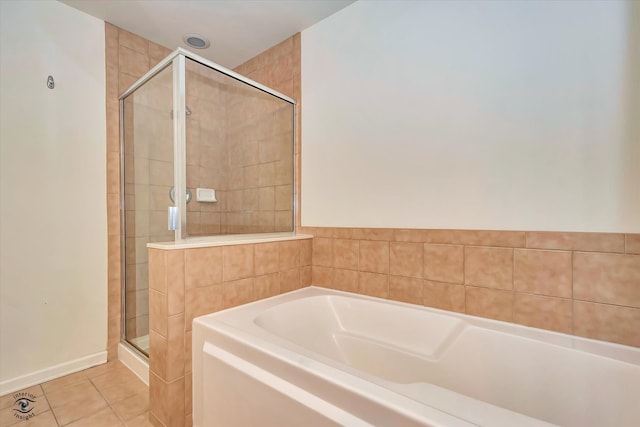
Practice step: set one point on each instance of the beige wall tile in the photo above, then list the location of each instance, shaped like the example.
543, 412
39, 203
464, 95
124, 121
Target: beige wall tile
322, 252
444, 263
158, 354
187, 353
542, 272
158, 52
632, 243
422, 235
157, 397
372, 233
609, 278
513, 239
188, 399
600, 242
555, 314
342, 233
345, 280
132, 41
237, 292
406, 259
374, 256
266, 286
306, 276
158, 312
289, 254
372, 284
132, 62
200, 301
605, 242
203, 267
306, 252
175, 347
444, 296
238, 262
607, 322
322, 276
405, 289
345, 254
289, 280
489, 267
175, 281
266, 258
175, 403
491, 303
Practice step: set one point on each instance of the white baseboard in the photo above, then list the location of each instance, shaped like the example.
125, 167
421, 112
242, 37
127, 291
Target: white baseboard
138, 364
51, 373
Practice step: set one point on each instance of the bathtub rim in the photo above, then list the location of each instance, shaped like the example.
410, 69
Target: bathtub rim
610, 350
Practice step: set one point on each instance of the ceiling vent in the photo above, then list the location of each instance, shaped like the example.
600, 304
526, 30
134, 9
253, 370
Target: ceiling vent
196, 41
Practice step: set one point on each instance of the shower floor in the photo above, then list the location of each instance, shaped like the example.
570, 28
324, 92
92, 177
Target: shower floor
142, 342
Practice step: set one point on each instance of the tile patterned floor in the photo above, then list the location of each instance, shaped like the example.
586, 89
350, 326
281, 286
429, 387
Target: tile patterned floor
108, 395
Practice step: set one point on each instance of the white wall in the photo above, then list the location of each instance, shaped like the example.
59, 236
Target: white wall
481, 115
53, 263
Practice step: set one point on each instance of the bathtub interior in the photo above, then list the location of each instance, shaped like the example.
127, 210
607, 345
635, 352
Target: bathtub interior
453, 361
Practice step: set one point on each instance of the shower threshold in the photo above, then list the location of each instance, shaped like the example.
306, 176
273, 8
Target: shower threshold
141, 342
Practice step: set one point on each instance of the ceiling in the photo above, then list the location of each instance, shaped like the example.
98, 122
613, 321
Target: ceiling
238, 29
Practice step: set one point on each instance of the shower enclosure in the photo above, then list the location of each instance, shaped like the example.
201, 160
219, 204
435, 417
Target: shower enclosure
223, 139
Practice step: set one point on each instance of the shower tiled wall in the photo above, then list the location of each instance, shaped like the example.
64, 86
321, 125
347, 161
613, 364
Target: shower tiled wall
586, 284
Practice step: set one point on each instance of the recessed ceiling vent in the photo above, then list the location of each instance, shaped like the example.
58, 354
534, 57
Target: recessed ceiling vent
196, 41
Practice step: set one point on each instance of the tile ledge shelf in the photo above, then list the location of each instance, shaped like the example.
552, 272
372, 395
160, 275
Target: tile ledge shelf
228, 240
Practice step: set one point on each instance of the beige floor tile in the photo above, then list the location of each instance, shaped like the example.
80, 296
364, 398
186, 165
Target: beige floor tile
123, 390
114, 377
46, 419
82, 403
71, 393
132, 406
113, 365
104, 418
38, 405
63, 382
9, 399
141, 420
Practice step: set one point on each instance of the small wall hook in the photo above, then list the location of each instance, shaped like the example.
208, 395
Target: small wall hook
50, 82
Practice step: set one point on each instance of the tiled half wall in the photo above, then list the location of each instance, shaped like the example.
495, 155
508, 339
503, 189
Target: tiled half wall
586, 284
186, 283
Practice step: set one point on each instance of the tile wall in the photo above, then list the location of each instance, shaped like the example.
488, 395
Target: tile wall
586, 284
187, 283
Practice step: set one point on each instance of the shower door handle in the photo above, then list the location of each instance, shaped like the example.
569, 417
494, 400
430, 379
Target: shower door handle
173, 217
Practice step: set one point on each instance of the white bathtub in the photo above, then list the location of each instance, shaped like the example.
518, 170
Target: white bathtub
316, 357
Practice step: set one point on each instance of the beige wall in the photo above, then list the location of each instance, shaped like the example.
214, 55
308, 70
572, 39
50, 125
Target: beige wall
53, 270
498, 115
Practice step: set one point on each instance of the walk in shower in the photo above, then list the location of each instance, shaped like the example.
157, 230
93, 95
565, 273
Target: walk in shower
226, 141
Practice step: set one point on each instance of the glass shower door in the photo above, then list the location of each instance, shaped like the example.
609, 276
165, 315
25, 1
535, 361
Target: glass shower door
148, 179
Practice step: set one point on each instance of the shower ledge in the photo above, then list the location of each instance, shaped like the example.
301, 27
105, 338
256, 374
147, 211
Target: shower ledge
234, 239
